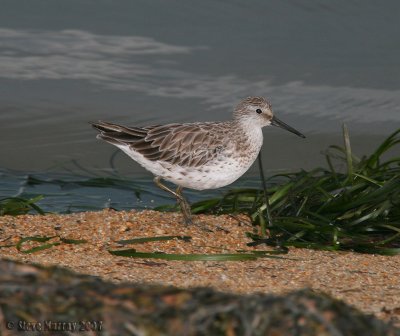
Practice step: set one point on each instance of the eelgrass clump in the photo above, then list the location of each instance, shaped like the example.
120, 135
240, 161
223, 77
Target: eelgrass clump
357, 209
15, 206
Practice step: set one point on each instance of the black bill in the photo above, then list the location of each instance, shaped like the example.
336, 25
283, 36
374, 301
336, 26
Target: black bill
276, 122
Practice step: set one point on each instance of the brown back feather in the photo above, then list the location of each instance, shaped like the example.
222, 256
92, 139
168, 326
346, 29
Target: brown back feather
182, 144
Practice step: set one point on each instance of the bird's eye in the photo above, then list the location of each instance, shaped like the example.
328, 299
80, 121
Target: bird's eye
259, 111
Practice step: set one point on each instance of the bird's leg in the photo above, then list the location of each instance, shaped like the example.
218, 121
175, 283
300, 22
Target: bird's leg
187, 212
185, 207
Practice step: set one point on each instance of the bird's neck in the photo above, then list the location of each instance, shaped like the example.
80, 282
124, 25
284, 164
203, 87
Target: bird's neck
252, 132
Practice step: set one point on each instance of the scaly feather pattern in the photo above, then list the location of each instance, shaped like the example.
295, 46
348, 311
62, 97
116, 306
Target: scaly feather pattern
181, 144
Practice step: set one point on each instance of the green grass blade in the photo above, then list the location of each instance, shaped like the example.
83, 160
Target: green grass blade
40, 248
152, 239
36, 248
280, 193
377, 250
38, 239
15, 206
204, 206
349, 157
366, 178
132, 253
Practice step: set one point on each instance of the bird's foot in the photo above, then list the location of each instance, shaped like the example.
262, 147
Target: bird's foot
188, 221
203, 227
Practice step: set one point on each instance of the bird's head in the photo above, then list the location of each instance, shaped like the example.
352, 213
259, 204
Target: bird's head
257, 111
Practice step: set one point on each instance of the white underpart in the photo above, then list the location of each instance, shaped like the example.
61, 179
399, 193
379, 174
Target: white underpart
219, 172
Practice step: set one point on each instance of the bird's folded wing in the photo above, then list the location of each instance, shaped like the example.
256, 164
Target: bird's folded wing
181, 144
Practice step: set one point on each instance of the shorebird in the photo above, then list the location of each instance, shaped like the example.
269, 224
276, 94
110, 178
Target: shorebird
200, 155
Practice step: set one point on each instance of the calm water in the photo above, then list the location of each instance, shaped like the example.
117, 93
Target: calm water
63, 64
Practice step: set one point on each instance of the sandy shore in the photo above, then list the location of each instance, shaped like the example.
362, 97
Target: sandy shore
371, 283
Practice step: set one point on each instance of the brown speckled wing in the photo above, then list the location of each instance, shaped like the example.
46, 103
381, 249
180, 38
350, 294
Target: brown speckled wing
181, 144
